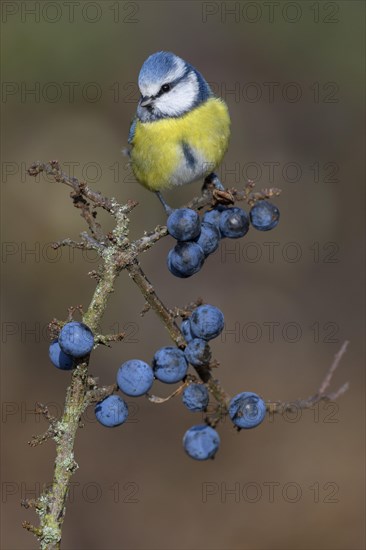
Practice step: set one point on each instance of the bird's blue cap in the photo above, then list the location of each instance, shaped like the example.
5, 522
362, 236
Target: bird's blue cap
157, 67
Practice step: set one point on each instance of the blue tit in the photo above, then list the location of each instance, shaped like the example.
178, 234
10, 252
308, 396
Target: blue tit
181, 130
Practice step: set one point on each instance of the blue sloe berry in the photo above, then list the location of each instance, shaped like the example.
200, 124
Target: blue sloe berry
198, 352
264, 216
207, 322
201, 442
195, 397
184, 224
60, 359
185, 328
209, 238
112, 411
213, 216
247, 410
185, 259
234, 222
76, 339
170, 365
135, 377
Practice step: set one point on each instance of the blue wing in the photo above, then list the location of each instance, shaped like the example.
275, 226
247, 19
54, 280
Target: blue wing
131, 133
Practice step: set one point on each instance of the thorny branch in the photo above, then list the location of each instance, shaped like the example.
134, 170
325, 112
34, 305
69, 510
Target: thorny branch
116, 253
283, 407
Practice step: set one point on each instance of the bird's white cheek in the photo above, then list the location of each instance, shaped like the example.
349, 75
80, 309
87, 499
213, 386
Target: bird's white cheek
179, 100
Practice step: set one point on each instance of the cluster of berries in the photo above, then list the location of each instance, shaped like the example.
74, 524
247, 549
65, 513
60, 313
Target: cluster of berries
198, 239
169, 365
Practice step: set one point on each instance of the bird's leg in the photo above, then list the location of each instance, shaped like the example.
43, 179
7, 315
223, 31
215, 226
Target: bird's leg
213, 178
219, 194
166, 206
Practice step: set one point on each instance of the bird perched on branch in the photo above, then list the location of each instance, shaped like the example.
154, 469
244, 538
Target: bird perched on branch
181, 131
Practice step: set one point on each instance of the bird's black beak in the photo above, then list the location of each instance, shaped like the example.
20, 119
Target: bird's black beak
146, 101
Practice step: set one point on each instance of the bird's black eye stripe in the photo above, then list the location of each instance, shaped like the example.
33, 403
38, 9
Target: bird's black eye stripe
165, 88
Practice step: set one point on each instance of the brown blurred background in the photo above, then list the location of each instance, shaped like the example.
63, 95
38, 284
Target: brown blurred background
292, 74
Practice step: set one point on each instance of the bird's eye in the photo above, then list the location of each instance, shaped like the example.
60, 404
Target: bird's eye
165, 88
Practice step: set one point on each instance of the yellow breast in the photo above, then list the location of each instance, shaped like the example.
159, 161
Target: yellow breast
174, 151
